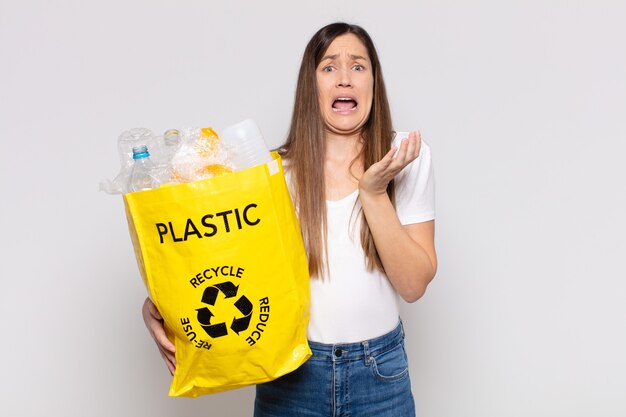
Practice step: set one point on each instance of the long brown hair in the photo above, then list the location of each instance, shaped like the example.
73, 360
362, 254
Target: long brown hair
304, 149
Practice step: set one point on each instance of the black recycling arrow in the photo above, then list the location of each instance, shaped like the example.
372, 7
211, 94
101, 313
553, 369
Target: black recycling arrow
239, 325
210, 293
228, 289
216, 330
209, 296
213, 330
245, 307
204, 315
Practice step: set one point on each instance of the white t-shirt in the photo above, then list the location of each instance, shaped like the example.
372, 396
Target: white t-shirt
353, 304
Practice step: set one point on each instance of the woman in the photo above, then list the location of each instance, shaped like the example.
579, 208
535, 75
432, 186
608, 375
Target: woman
364, 197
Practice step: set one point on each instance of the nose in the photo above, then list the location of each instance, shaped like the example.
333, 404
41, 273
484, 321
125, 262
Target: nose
343, 79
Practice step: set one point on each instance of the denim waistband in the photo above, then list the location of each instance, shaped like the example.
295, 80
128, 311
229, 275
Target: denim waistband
339, 352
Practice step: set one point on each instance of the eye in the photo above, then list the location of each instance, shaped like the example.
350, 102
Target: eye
327, 68
358, 67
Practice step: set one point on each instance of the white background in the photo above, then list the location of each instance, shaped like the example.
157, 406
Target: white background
523, 104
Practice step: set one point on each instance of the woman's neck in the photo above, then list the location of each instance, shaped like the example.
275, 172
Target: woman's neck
341, 165
342, 147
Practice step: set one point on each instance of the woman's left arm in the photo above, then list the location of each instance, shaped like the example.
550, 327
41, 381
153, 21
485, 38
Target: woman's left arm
406, 251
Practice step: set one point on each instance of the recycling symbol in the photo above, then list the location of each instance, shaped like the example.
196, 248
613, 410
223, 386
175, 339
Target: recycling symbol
205, 315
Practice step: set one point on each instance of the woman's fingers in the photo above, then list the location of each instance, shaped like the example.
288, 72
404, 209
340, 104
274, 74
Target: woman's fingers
169, 360
153, 310
409, 149
416, 141
154, 323
158, 331
382, 172
387, 159
400, 156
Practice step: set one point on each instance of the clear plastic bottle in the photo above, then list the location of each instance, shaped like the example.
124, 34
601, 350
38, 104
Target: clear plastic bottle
246, 141
171, 138
143, 175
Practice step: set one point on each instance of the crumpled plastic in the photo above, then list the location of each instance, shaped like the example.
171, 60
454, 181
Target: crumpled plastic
201, 155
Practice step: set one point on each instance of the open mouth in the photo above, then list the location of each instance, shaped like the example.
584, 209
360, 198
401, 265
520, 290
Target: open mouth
342, 104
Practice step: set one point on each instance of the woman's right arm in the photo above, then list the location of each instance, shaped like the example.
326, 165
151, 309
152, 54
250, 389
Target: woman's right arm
154, 323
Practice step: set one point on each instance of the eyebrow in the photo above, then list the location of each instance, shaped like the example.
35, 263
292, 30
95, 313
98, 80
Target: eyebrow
335, 56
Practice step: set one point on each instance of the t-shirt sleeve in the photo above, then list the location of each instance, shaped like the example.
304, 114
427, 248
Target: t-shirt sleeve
415, 187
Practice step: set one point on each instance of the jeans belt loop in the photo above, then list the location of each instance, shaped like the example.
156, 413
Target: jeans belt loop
366, 353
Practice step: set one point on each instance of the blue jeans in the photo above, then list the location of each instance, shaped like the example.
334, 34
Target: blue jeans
369, 378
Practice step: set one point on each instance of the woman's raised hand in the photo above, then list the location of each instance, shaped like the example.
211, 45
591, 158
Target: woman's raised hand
154, 323
378, 176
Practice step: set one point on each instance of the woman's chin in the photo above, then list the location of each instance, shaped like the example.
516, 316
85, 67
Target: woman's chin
345, 127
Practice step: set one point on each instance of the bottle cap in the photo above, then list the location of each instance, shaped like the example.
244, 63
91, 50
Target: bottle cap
140, 151
171, 137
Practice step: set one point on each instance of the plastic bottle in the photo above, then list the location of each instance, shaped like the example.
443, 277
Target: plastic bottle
247, 144
143, 175
171, 138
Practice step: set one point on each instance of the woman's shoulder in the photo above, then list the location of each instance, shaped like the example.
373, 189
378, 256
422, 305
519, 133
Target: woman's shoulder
287, 165
415, 198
